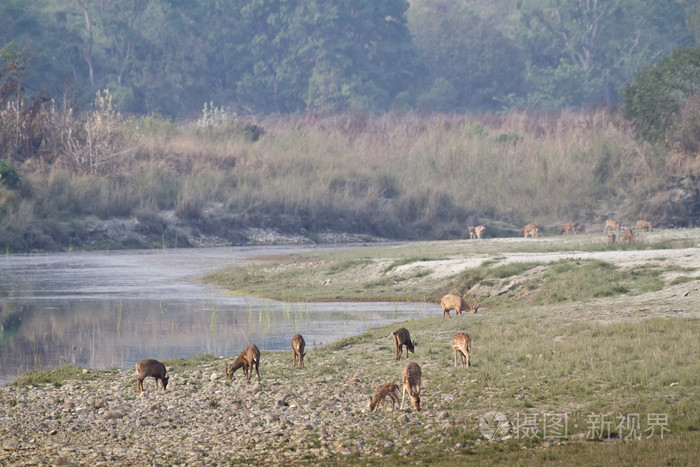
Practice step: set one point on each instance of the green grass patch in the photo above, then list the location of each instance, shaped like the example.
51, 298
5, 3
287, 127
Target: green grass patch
55, 376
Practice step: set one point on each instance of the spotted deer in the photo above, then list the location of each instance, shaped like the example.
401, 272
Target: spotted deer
403, 338
410, 379
462, 343
573, 226
390, 390
458, 304
627, 235
530, 230
298, 347
644, 225
611, 224
247, 359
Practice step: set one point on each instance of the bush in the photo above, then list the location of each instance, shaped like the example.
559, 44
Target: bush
9, 175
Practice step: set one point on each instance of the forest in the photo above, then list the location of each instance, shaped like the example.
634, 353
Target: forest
168, 57
182, 120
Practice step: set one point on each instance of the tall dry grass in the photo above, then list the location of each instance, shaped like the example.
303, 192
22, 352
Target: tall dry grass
396, 175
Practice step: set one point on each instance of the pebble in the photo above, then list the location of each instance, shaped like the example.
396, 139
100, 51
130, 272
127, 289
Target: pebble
206, 420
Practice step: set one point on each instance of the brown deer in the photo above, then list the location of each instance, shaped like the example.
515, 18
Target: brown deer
479, 230
390, 390
410, 379
611, 238
573, 226
403, 338
472, 232
643, 225
154, 368
530, 230
298, 347
462, 343
249, 358
627, 235
611, 224
453, 302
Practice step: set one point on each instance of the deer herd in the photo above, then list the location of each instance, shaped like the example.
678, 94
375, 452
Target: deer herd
612, 228
249, 358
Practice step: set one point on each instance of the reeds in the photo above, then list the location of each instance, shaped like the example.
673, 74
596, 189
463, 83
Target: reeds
396, 176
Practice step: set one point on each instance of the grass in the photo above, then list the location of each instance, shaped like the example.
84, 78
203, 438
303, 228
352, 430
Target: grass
589, 341
396, 176
56, 376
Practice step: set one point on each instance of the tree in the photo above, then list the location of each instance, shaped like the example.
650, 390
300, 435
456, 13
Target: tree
608, 39
465, 55
654, 99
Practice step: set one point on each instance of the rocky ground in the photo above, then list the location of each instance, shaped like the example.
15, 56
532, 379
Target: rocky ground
203, 419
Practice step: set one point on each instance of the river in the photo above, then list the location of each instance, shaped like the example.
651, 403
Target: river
113, 308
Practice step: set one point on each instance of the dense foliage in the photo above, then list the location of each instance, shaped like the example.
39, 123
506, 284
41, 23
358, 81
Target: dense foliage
664, 100
270, 56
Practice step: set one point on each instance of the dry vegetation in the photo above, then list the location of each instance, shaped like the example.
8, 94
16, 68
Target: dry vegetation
394, 176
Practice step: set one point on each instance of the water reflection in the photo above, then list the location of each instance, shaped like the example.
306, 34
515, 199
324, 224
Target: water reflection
103, 310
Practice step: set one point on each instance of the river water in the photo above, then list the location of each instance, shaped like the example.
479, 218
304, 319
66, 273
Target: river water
111, 309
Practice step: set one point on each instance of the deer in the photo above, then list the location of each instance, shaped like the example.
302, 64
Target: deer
453, 302
248, 358
390, 390
479, 230
627, 235
472, 232
462, 343
611, 224
403, 338
298, 348
410, 379
573, 226
611, 238
644, 225
530, 230
154, 368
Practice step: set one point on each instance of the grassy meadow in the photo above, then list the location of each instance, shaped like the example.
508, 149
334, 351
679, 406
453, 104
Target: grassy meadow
397, 176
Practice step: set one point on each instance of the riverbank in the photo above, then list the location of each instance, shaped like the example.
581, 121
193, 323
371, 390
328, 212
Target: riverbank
581, 382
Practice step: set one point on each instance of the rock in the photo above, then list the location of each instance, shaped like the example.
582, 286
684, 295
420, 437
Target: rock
113, 414
214, 376
255, 388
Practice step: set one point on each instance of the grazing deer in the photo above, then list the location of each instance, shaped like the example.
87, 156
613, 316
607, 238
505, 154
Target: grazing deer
390, 390
249, 358
573, 226
150, 367
403, 338
530, 230
627, 235
298, 347
462, 343
479, 230
612, 225
410, 379
453, 302
644, 225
